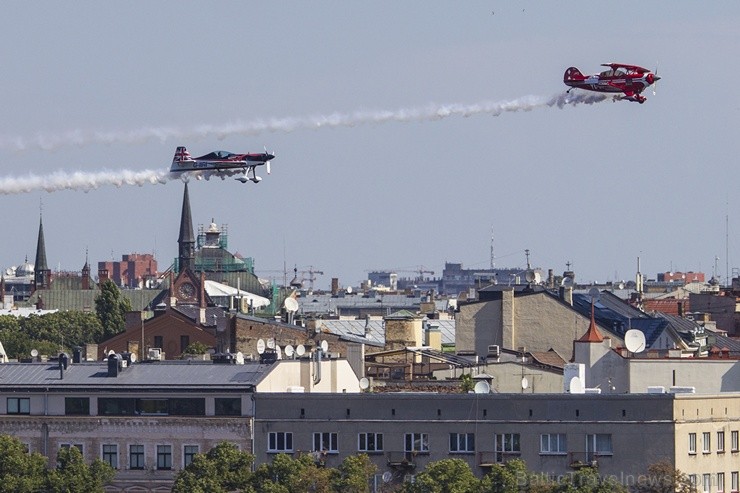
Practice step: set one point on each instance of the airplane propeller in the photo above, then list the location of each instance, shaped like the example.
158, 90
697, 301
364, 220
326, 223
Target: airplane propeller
267, 163
656, 78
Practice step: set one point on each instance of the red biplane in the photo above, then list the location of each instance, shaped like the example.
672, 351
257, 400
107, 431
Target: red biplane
628, 79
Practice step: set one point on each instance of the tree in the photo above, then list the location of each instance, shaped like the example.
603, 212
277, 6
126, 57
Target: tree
73, 475
588, 480
222, 469
662, 477
20, 472
111, 308
466, 383
506, 478
445, 476
355, 473
287, 475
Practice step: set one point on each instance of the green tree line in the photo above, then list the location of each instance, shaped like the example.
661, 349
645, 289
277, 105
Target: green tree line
52, 333
226, 469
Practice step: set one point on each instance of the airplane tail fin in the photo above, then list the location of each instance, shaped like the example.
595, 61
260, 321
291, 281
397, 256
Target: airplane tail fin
181, 154
572, 74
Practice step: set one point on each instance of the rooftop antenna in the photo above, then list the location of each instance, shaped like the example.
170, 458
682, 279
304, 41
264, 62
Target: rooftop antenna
493, 257
727, 246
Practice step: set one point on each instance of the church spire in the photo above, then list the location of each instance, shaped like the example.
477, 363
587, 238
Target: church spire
41, 272
186, 240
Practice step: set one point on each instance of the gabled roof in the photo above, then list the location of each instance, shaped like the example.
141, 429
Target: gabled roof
617, 316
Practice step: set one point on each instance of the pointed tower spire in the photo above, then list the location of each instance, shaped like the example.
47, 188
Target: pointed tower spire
41, 272
592, 334
186, 240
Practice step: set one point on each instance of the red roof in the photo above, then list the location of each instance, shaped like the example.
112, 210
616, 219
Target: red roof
592, 334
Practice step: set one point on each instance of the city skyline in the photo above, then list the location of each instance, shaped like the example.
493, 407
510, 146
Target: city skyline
396, 142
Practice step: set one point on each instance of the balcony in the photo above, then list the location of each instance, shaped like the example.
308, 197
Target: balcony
402, 460
580, 460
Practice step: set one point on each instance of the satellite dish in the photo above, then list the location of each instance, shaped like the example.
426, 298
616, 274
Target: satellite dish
260, 346
279, 352
634, 340
271, 343
567, 282
239, 358
300, 350
387, 476
349, 290
289, 351
482, 387
364, 383
133, 357
290, 304
525, 383
594, 293
576, 386
620, 285
34, 353
324, 346
529, 276
109, 352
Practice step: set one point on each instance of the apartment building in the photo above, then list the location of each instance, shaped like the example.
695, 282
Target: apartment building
555, 434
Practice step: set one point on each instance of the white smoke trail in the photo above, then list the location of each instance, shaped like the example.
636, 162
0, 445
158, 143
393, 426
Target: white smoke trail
87, 181
83, 138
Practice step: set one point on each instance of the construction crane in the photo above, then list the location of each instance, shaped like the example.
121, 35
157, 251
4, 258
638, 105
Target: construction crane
312, 273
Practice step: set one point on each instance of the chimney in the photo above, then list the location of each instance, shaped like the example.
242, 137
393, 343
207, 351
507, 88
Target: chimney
566, 294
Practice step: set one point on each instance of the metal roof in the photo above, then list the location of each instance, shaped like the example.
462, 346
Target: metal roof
326, 303
162, 375
375, 334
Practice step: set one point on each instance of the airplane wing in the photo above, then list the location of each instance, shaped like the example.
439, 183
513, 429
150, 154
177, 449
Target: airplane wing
633, 68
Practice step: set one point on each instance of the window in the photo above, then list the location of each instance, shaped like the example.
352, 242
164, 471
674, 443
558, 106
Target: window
720, 482
693, 480
78, 446
188, 454
706, 483
507, 444
228, 406
325, 442
553, 443
116, 406
597, 445
370, 442
110, 455
462, 442
164, 456
692, 443
136, 457
734, 482
19, 405
720, 442
734, 441
416, 442
158, 341
280, 441
77, 406
184, 343
706, 442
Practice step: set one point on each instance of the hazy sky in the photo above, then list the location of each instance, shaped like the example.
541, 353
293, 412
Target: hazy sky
88, 86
